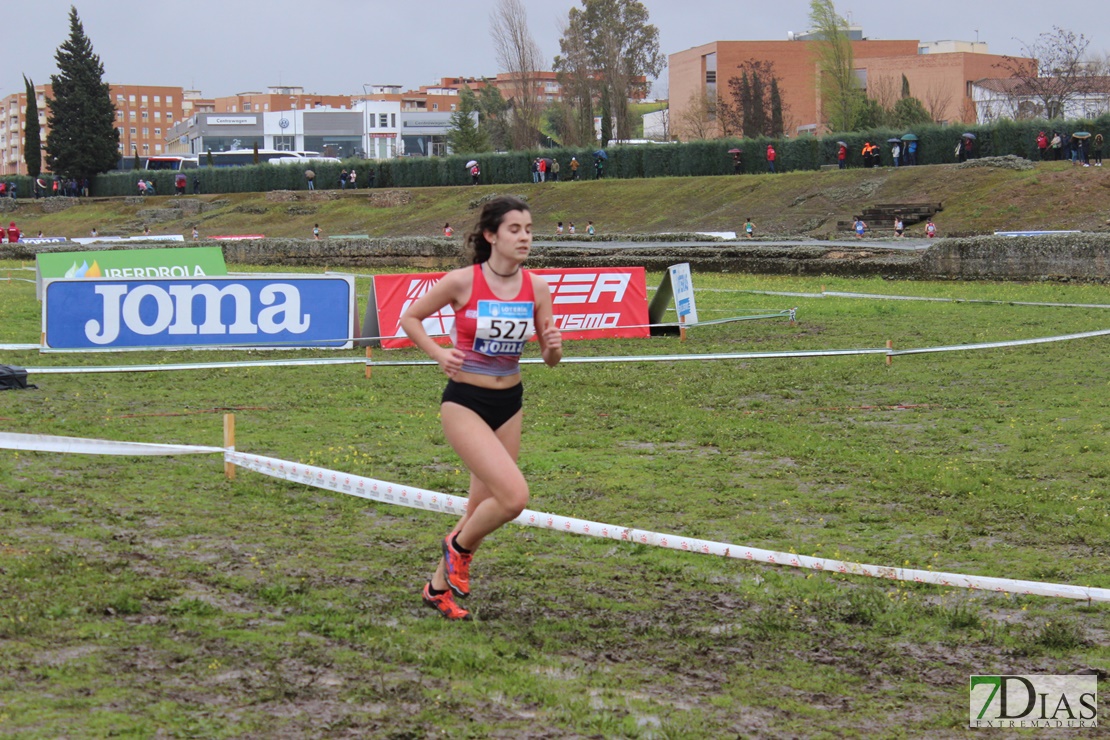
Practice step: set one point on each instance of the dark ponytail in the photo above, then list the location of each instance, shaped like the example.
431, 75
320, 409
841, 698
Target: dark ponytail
493, 213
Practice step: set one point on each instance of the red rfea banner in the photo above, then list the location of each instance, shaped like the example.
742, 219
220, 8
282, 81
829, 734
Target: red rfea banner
588, 303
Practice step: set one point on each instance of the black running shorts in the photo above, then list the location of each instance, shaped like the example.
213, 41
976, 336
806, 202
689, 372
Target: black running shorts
495, 406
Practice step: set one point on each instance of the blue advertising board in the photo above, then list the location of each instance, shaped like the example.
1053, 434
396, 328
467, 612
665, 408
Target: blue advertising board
266, 311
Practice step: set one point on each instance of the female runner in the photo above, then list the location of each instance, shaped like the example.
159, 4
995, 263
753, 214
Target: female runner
497, 308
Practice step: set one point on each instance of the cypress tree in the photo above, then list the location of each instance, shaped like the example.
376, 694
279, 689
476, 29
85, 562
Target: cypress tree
759, 110
776, 109
83, 139
606, 118
746, 107
32, 141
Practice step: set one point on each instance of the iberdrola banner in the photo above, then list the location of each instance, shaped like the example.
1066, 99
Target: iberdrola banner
129, 264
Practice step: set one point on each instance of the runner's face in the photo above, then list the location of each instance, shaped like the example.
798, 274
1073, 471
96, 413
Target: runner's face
514, 237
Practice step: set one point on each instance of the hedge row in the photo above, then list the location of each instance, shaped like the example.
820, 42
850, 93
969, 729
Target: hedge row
936, 145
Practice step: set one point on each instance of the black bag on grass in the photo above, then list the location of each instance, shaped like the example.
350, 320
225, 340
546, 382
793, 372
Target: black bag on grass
12, 377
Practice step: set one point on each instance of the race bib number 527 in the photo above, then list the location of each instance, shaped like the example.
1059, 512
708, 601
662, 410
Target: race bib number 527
503, 327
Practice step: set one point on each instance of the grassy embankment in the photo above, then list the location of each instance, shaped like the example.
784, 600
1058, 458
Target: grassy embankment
976, 201
149, 597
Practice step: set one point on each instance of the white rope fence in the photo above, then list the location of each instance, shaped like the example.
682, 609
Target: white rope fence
420, 498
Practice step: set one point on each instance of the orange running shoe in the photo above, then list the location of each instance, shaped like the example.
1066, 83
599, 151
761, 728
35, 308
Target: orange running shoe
444, 604
458, 567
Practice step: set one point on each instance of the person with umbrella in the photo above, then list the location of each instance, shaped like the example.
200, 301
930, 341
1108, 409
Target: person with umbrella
599, 163
895, 151
965, 147
737, 164
909, 149
475, 171
1079, 148
842, 155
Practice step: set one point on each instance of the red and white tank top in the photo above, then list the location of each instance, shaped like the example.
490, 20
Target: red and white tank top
490, 331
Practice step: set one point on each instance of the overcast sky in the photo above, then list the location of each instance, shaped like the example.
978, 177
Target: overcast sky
222, 47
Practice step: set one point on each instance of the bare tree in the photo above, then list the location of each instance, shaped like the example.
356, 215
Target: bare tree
1057, 71
937, 100
519, 56
694, 122
885, 90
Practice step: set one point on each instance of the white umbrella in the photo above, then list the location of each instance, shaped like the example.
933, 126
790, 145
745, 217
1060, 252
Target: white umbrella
471, 163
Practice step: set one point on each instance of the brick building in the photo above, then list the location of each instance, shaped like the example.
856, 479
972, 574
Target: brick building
940, 74
144, 115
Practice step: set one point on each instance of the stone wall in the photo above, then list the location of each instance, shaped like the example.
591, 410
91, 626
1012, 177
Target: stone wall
1065, 257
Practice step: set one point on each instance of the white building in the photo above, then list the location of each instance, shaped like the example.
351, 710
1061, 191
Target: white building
1012, 98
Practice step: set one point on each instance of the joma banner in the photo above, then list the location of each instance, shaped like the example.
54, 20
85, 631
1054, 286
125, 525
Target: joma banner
588, 303
265, 311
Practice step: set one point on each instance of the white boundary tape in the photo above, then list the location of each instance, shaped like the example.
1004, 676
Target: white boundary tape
574, 360
419, 498
83, 446
888, 297
193, 366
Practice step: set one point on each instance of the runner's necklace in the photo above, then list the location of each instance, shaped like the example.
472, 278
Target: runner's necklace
502, 274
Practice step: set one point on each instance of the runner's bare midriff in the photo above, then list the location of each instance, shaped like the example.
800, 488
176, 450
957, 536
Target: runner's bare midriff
493, 382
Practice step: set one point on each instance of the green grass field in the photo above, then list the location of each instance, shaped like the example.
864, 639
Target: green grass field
152, 597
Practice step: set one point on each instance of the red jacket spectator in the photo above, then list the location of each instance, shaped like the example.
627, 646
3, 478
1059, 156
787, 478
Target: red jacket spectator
13, 233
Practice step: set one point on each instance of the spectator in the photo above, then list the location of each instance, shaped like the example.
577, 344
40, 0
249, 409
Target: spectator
896, 153
1042, 145
196, 184
1096, 150
771, 158
180, 181
13, 233
911, 153
343, 179
141, 185
370, 178
555, 170
573, 168
475, 173
353, 179
842, 156
599, 167
535, 170
541, 165
310, 178
1056, 145
737, 164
